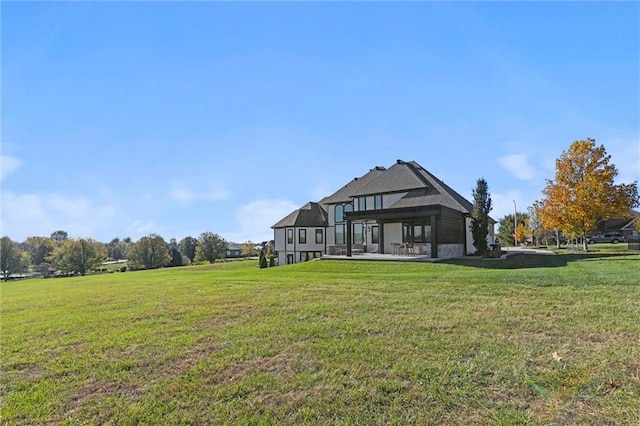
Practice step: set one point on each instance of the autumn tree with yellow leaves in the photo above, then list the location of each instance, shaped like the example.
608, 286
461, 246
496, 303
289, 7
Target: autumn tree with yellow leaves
583, 192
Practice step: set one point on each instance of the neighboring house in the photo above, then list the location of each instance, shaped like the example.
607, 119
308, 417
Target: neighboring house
403, 206
626, 226
233, 250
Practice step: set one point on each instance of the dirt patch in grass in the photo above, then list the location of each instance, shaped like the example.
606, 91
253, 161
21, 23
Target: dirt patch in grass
88, 394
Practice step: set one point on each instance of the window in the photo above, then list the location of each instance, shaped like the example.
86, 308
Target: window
302, 236
340, 234
289, 236
348, 208
319, 236
377, 202
375, 235
358, 233
362, 203
339, 213
416, 233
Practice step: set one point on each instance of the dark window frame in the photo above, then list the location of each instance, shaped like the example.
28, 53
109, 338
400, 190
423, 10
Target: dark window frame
319, 236
362, 204
302, 236
377, 202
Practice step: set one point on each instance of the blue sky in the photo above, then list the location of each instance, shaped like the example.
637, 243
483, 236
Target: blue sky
124, 119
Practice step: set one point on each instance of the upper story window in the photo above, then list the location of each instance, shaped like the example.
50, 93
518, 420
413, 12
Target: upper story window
377, 202
302, 236
348, 208
319, 236
289, 236
340, 210
362, 203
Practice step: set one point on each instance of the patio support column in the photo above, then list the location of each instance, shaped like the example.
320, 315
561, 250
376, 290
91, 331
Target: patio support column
349, 238
380, 236
434, 235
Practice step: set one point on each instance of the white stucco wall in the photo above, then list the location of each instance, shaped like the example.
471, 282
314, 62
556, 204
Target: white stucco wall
491, 237
392, 234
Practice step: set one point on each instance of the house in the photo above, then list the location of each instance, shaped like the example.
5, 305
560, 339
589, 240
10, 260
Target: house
400, 209
233, 250
624, 225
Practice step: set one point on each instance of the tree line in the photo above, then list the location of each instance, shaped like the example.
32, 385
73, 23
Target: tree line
582, 195
60, 255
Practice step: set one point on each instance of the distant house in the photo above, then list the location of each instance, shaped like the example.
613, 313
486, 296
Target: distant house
402, 206
233, 250
625, 225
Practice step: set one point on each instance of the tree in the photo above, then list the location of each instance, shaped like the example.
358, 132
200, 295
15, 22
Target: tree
79, 256
480, 215
187, 247
583, 192
506, 230
149, 253
59, 236
533, 224
177, 259
39, 248
12, 259
249, 248
210, 247
117, 249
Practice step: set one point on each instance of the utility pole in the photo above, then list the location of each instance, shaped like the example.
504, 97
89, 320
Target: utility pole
515, 224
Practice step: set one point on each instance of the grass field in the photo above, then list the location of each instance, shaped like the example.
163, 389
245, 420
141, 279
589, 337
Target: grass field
528, 340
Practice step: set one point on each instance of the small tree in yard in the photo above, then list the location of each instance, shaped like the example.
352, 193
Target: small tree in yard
210, 247
583, 192
149, 253
12, 259
187, 247
506, 231
480, 216
79, 256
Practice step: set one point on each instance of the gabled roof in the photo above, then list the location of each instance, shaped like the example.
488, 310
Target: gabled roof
400, 177
345, 194
311, 214
423, 188
627, 222
436, 193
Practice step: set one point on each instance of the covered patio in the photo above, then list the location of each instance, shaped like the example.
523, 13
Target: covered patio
403, 245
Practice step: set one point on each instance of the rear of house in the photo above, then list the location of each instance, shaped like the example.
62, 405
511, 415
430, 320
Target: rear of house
403, 207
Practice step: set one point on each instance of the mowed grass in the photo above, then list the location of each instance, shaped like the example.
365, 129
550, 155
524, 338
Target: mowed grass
528, 340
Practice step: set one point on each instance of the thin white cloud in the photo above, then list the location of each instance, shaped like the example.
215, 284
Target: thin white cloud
182, 193
518, 165
8, 165
141, 228
625, 155
503, 204
25, 215
320, 190
256, 218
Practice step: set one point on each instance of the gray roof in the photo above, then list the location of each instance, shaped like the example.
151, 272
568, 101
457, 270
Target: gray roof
400, 177
423, 188
435, 192
345, 194
311, 214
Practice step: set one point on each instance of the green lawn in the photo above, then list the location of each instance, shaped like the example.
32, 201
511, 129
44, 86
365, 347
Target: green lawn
530, 340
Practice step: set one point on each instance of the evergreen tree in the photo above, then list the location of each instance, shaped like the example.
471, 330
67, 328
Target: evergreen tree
480, 216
